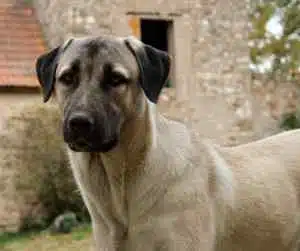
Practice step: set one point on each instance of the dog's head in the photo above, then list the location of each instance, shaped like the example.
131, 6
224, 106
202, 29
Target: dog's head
100, 83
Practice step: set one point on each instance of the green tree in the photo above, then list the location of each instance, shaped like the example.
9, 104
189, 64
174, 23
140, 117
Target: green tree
275, 39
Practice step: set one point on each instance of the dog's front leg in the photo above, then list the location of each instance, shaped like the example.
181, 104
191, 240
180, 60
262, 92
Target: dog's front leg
106, 239
108, 234
103, 241
91, 179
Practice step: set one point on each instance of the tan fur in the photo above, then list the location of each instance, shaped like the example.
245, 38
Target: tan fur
160, 189
254, 196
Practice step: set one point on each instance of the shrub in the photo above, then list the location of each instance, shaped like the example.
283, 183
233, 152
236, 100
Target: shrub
290, 121
43, 179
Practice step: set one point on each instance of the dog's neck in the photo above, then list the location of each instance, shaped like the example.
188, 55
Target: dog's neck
122, 163
137, 136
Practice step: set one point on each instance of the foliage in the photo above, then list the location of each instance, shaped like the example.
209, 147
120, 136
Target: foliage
27, 2
281, 48
78, 240
64, 223
290, 121
43, 179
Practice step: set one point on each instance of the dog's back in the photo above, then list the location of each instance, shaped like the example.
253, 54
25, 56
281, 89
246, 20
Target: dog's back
265, 182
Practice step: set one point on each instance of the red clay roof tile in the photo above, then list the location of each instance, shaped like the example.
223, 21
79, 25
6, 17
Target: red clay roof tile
20, 44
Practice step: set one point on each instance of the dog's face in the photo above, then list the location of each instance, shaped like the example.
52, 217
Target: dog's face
100, 83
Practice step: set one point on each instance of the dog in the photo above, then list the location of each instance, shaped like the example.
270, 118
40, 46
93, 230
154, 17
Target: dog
149, 184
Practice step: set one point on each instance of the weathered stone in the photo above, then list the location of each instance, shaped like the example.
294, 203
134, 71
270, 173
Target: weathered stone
64, 223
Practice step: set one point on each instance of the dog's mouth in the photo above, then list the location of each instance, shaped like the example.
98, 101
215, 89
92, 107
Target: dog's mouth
82, 145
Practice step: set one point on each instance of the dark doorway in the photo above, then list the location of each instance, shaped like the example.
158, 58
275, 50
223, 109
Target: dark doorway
157, 34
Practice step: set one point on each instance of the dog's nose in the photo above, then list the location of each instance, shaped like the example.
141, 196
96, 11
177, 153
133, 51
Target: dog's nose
81, 124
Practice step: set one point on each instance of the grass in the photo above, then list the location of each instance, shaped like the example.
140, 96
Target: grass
79, 240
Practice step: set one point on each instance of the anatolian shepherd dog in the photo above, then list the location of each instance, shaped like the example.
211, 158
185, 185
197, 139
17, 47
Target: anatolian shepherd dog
147, 183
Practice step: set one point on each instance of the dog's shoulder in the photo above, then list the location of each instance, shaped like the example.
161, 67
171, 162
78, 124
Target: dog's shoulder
173, 134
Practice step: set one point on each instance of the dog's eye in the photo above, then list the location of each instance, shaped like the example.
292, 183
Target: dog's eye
67, 78
118, 79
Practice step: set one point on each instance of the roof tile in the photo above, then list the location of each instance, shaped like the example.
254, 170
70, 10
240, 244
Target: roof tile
20, 44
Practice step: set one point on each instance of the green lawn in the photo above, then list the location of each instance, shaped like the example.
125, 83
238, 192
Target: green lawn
78, 240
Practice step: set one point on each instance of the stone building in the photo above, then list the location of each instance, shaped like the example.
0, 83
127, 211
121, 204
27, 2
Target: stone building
21, 42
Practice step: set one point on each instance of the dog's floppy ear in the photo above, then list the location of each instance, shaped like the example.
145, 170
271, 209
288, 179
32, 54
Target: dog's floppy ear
154, 66
46, 65
45, 68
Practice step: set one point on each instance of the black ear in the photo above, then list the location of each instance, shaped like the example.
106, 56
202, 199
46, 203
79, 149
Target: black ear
154, 66
45, 68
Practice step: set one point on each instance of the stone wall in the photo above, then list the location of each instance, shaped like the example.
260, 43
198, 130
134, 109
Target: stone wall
62, 19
